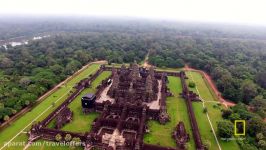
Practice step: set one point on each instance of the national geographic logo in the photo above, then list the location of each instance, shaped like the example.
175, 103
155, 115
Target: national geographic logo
240, 127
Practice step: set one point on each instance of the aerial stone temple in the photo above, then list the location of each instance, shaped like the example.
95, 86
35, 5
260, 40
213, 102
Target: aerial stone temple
131, 86
126, 100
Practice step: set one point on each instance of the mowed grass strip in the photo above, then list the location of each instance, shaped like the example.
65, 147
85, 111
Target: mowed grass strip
168, 69
214, 111
117, 65
205, 92
59, 95
176, 108
215, 115
204, 126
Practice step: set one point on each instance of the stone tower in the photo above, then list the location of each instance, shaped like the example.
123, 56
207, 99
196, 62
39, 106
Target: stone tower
115, 83
151, 72
149, 92
135, 72
131, 92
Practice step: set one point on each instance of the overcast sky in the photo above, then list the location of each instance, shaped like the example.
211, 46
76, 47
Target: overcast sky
232, 11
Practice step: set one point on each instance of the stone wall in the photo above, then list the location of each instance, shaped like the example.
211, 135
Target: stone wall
193, 121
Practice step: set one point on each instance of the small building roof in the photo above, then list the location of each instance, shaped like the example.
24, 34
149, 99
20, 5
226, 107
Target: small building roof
89, 95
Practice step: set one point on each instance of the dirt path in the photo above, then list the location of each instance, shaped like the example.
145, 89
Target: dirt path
211, 83
146, 61
26, 109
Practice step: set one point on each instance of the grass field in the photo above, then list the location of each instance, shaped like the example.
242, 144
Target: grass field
168, 69
117, 65
41, 110
176, 108
214, 112
82, 122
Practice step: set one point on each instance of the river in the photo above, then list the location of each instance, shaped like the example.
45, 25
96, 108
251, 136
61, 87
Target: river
20, 41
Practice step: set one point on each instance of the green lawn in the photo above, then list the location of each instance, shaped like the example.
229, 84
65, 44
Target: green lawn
205, 93
168, 69
117, 65
204, 126
41, 110
82, 122
176, 107
214, 112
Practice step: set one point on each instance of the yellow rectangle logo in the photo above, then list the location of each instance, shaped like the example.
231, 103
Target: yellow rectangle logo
243, 129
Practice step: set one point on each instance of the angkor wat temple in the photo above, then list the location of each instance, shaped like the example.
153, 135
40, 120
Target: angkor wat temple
134, 96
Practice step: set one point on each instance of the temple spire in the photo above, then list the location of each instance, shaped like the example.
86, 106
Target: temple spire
151, 72
135, 72
149, 84
115, 83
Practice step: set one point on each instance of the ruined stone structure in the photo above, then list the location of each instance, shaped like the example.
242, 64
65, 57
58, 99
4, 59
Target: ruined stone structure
65, 116
180, 135
120, 126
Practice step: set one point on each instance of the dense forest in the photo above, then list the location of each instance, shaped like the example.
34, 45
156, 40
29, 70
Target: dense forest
234, 56
28, 71
237, 66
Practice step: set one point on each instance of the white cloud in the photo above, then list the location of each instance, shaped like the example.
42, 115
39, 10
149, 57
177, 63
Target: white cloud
236, 11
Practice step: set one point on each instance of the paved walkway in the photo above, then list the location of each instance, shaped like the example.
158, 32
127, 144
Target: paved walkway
104, 97
156, 104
